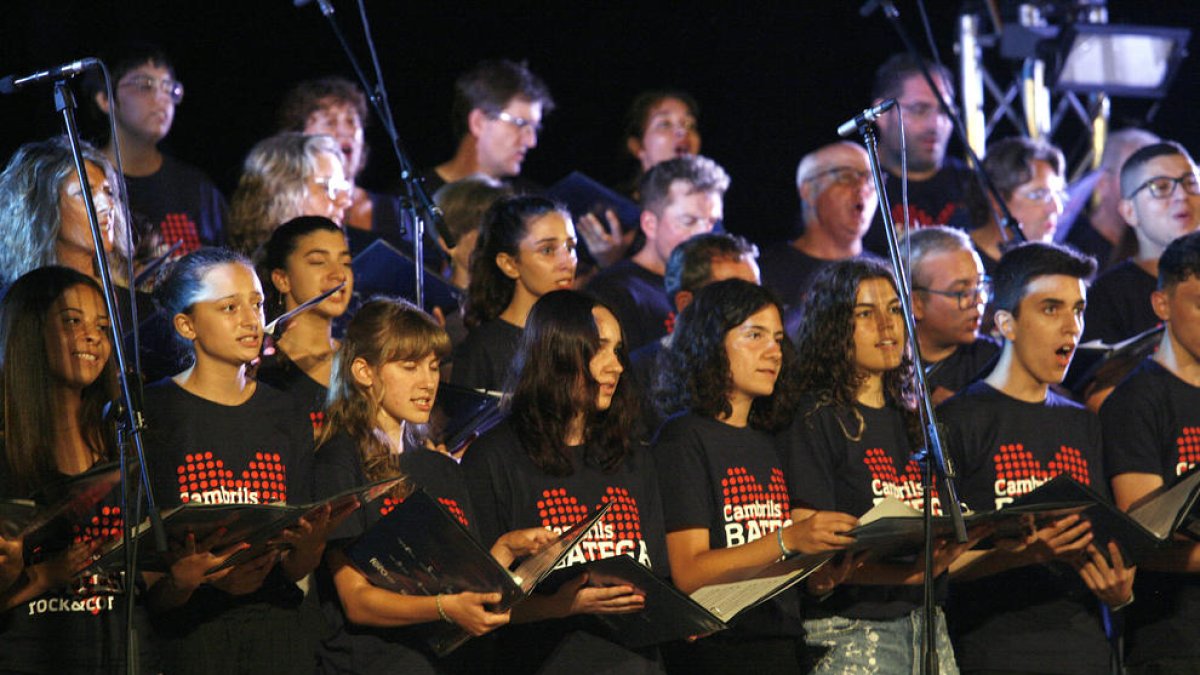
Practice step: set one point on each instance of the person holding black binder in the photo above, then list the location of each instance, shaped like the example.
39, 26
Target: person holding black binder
566, 449
384, 384
1151, 437
304, 258
217, 436
526, 249
1041, 604
727, 382
57, 377
849, 447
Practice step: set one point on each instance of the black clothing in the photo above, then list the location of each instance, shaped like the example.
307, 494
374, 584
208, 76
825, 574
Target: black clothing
638, 298
829, 471
483, 360
283, 374
967, 364
1118, 304
941, 200
350, 648
1036, 618
258, 452
510, 492
1152, 425
180, 203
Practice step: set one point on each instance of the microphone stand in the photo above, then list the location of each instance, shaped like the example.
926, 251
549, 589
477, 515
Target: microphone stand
422, 209
128, 410
1010, 229
934, 453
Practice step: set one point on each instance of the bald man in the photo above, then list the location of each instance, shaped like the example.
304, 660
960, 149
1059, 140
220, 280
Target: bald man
838, 203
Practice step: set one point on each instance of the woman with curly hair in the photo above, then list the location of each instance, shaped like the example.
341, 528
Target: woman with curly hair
384, 383
285, 176
728, 378
526, 249
566, 449
42, 216
849, 447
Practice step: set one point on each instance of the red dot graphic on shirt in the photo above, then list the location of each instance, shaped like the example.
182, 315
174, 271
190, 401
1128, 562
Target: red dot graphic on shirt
1188, 443
455, 510
1014, 463
883, 469
203, 472
745, 489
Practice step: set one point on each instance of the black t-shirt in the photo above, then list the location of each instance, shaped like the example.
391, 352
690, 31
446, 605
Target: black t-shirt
283, 374
1118, 304
729, 481
483, 359
1085, 239
789, 273
1152, 425
828, 470
203, 452
181, 203
941, 200
349, 648
79, 628
510, 492
964, 366
638, 298
1034, 618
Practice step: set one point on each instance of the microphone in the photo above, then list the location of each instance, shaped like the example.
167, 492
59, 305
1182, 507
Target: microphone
867, 116
12, 83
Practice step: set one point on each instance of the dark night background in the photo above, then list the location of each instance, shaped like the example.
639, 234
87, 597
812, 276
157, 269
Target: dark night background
773, 79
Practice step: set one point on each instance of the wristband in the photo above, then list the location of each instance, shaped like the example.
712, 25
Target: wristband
1123, 605
442, 612
783, 549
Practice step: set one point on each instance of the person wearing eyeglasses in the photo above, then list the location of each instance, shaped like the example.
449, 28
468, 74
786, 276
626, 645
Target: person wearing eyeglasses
1030, 176
681, 198
950, 292
497, 115
837, 204
1161, 202
286, 176
937, 185
169, 199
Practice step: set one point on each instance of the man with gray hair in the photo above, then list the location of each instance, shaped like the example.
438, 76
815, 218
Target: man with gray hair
838, 202
950, 293
681, 197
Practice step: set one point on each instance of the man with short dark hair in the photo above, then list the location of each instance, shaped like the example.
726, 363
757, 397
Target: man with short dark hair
497, 115
1151, 437
938, 185
1101, 231
1031, 607
681, 197
950, 292
174, 200
1161, 202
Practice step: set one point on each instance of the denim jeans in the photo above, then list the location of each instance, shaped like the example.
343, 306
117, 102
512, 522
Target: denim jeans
890, 647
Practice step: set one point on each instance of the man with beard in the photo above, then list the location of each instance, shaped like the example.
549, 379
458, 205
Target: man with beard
937, 185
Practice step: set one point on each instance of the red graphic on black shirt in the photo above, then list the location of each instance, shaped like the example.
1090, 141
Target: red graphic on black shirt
1018, 473
317, 417
618, 533
1189, 449
388, 503
204, 479
669, 323
104, 525
179, 227
920, 218
750, 510
886, 481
